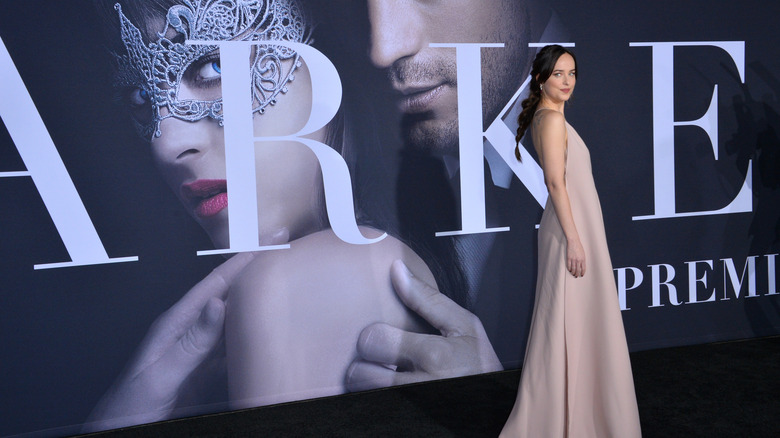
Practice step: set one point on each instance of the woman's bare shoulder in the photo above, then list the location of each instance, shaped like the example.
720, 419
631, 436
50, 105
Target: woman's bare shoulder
295, 315
546, 119
321, 268
324, 250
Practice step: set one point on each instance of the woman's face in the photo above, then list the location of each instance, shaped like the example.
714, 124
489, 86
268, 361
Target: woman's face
191, 158
175, 94
560, 85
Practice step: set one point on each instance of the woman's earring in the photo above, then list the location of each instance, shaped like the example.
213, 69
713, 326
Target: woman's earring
541, 88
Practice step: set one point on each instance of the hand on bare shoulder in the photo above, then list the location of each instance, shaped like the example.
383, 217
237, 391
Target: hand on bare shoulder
294, 316
393, 356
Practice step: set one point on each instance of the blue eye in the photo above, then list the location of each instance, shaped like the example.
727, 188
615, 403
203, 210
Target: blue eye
139, 97
140, 106
209, 70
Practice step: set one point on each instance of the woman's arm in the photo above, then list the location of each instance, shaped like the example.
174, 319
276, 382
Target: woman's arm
551, 128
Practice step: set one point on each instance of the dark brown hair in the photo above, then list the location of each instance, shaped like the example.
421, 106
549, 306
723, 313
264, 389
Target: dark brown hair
543, 66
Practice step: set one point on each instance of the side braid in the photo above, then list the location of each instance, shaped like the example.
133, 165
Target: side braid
527, 115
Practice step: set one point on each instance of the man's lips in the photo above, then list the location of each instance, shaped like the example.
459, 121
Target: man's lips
417, 99
207, 197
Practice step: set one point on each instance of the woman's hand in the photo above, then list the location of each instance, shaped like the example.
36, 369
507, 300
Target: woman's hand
177, 343
575, 257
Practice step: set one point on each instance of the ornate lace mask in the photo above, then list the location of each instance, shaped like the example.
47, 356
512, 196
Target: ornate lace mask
171, 79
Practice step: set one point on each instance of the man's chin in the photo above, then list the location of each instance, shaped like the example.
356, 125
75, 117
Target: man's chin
431, 135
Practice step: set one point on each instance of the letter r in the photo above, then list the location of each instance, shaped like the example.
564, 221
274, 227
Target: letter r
240, 142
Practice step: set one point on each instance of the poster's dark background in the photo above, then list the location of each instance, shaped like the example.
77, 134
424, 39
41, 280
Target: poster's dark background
66, 333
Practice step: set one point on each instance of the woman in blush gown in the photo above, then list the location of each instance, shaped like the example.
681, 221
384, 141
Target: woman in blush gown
576, 379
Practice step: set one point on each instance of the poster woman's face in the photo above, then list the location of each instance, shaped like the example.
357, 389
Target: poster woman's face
175, 94
191, 159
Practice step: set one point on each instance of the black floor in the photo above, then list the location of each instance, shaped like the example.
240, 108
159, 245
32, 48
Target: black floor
716, 390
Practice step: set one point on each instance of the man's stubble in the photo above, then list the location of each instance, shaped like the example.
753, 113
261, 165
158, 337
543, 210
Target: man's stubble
503, 71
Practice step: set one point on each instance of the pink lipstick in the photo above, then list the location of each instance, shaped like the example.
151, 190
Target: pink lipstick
207, 197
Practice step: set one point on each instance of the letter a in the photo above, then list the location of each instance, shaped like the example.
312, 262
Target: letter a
48, 172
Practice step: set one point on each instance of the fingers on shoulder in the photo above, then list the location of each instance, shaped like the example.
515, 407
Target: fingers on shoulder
364, 375
380, 342
385, 344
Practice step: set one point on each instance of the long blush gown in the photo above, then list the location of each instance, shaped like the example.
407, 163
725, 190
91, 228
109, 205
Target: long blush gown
576, 379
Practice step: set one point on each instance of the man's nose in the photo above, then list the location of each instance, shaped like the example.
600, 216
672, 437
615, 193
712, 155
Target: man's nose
396, 31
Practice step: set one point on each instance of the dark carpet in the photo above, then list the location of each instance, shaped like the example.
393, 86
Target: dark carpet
727, 389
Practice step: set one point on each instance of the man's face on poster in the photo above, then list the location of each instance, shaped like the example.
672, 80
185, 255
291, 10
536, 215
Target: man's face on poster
425, 78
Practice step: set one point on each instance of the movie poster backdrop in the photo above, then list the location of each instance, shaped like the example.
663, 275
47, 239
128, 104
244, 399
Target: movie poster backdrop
677, 101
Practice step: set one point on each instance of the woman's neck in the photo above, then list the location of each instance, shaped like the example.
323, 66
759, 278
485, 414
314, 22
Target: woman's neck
546, 103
